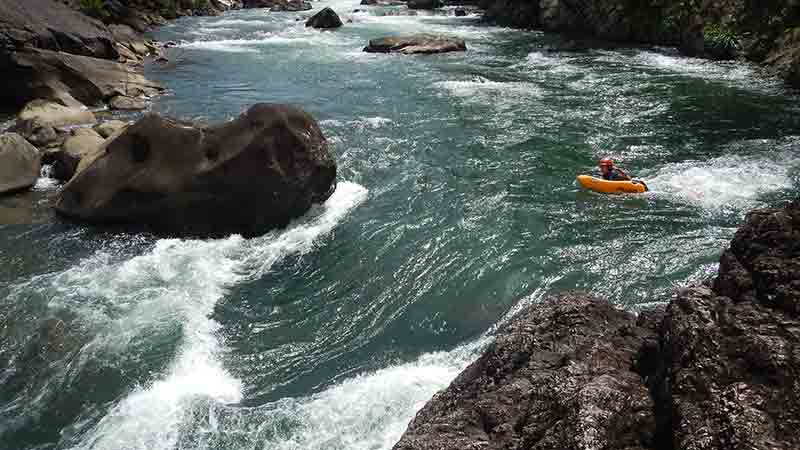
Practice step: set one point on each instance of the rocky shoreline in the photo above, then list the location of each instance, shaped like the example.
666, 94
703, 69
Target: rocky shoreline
718, 368
766, 33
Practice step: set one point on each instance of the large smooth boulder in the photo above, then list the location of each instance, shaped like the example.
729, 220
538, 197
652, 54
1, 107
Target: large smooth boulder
82, 144
245, 176
52, 114
19, 163
560, 376
327, 18
48, 24
109, 127
419, 43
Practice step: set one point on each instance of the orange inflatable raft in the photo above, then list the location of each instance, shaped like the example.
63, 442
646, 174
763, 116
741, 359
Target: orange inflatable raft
611, 187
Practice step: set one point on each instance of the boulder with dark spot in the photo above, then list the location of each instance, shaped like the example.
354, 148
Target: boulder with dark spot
245, 176
416, 44
327, 18
19, 163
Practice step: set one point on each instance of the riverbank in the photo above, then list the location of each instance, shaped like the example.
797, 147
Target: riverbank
766, 33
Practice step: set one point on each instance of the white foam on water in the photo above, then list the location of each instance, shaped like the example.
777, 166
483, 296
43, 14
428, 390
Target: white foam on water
481, 86
366, 412
225, 45
735, 73
179, 283
724, 183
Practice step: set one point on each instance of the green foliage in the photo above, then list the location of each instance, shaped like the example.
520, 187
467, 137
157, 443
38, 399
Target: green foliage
720, 40
94, 8
200, 4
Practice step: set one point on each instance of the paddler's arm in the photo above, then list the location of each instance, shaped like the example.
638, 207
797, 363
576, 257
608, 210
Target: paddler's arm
625, 176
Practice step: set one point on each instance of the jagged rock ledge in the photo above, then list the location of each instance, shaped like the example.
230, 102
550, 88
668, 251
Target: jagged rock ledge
718, 368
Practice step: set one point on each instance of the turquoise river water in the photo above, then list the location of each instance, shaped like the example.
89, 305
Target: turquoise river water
456, 206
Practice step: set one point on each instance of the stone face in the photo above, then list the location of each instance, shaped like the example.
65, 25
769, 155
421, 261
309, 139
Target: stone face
245, 176
416, 44
559, 376
327, 18
19, 163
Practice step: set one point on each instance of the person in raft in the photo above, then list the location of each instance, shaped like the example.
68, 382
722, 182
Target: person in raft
610, 172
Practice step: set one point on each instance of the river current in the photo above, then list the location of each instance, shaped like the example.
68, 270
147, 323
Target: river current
456, 207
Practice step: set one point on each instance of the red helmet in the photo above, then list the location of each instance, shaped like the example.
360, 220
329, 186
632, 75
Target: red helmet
606, 162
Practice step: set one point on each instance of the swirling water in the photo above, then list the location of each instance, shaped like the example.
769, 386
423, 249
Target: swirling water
457, 207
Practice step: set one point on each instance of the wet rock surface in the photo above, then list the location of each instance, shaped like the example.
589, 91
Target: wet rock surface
717, 369
416, 44
246, 176
559, 376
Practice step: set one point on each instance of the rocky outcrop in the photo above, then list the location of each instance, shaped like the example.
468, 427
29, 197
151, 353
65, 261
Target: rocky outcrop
245, 176
327, 18
41, 121
416, 44
19, 163
717, 369
559, 376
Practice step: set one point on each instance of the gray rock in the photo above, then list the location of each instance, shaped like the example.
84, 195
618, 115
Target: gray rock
424, 4
416, 44
109, 127
19, 163
83, 143
122, 102
560, 376
327, 18
244, 176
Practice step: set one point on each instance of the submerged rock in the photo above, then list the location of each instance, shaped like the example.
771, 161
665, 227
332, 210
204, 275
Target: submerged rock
419, 43
327, 18
19, 163
717, 369
246, 176
459, 12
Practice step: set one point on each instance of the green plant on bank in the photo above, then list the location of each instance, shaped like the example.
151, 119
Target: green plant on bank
720, 39
94, 8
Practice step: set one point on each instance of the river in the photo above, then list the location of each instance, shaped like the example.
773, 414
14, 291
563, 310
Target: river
456, 206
